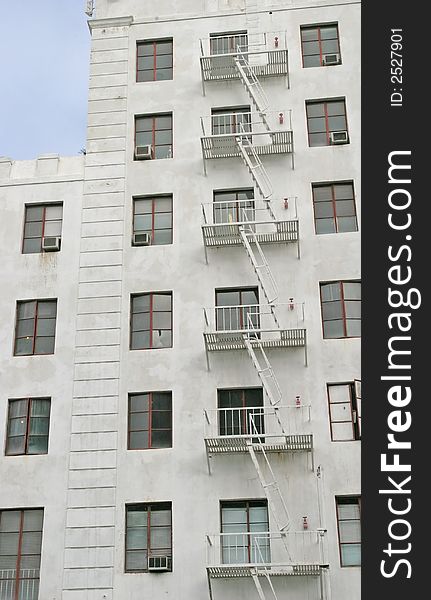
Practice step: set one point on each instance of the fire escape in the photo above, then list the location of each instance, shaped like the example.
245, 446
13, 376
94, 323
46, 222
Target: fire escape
251, 223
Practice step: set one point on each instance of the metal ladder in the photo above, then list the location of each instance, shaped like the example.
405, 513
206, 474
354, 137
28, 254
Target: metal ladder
258, 585
252, 86
254, 164
259, 262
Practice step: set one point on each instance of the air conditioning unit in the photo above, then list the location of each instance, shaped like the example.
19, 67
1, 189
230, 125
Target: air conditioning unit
144, 152
141, 239
339, 137
331, 59
51, 244
158, 563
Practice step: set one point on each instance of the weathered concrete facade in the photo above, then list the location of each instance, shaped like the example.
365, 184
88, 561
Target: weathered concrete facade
88, 476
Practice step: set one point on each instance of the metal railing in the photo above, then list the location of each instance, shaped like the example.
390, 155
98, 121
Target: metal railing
24, 587
259, 422
266, 548
250, 43
242, 212
234, 124
253, 319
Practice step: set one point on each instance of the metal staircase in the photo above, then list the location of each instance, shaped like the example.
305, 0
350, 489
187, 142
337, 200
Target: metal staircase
254, 165
260, 263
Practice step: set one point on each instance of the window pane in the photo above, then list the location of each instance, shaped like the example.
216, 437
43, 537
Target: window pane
44, 345
323, 209
17, 426
144, 124
46, 309
140, 303
162, 401
339, 393
338, 123
328, 32
350, 555
163, 137
343, 192
162, 236
350, 531
331, 291
322, 193
163, 122
330, 47
138, 421
345, 208
38, 444
15, 445
139, 402
146, 49
161, 439
352, 290
332, 310
33, 213
348, 509
353, 328
32, 246
161, 419
353, 309
160, 537
144, 138
312, 61
54, 213
52, 229
146, 63
336, 108
140, 340
164, 74
141, 322
26, 310
138, 440
318, 139
162, 302
316, 109
33, 229
160, 516
23, 347
31, 542
163, 61
311, 48
136, 537
136, 517
143, 206
325, 226
333, 329
161, 320
25, 327
40, 407
163, 152
163, 204
45, 327
317, 125
162, 339
309, 34
164, 47
39, 425
342, 432
163, 221
136, 561
346, 224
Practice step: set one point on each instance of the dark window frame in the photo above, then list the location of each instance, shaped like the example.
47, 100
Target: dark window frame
153, 198
28, 418
354, 411
247, 504
153, 117
44, 206
36, 318
340, 543
155, 69
344, 318
319, 28
151, 428
234, 208
242, 314
17, 580
332, 185
231, 128
230, 36
326, 116
148, 507
151, 313
260, 422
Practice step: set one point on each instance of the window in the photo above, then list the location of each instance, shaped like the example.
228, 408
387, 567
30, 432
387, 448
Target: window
237, 309
35, 327
323, 118
148, 534
154, 60
228, 43
341, 309
230, 120
345, 411
20, 548
151, 323
155, 131
241, 411
349, 530
153, 215
28, 426
232, 206
334, 208
150, 420
243, 527
318, 41
41, 220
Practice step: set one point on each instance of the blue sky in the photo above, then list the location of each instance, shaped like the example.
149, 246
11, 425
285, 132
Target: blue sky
44, 64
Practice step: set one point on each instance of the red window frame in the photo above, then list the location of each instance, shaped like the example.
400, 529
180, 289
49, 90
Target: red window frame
334, 201
149, 507
319, 40
155, 54
354, 412
151, 313
28, 418
344, 318
250, 201
17, 581
326, 116
232, 126
153, 118
242, 313
151, 427
34, 335
338, 501
43, 221
154, 212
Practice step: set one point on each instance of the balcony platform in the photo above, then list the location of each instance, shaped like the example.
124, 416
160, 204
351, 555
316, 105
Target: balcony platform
263, 570
234, 444
222, 67
228, 234
217, 341
226, 146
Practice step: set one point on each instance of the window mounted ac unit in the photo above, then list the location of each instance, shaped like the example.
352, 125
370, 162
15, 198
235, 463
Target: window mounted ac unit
141, 239
331, 59
144, 152
339, 137
158, 563
51, 244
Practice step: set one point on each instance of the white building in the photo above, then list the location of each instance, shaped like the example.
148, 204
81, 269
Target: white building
153, 445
